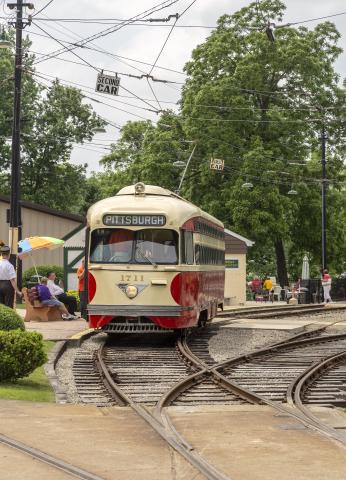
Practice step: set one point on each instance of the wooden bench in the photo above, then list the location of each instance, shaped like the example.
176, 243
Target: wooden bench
37, 312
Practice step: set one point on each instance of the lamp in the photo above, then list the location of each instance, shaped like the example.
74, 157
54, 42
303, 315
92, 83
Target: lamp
292, 191
247, 184
3, 42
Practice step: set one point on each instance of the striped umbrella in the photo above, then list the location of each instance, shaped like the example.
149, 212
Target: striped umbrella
29, 245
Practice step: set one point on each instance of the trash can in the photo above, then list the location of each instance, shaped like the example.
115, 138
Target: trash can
303, 296
34, 280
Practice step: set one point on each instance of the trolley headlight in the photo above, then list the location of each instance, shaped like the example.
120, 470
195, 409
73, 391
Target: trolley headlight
131, 291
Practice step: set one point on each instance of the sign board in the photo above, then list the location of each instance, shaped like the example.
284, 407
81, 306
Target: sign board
217, 164
145, 220
107, 84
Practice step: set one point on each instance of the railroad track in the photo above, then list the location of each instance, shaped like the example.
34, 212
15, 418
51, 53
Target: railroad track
279, 311
158, 371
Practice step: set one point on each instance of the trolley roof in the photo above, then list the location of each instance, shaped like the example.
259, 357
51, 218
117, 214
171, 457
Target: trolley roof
154, 200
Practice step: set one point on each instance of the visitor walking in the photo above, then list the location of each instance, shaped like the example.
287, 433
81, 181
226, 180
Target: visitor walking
80, 276
327, 285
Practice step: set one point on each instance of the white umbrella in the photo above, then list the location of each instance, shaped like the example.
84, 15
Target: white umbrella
305, 268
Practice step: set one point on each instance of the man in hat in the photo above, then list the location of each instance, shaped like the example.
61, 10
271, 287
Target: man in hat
8, 282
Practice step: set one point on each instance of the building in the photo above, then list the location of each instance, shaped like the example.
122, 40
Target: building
235, 261
42, 221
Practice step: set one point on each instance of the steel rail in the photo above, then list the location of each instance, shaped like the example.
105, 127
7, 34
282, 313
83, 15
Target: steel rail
48, 459
297, 388
170, 436
284, 310
303, 414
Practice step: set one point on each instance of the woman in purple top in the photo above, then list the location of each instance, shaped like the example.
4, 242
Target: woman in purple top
46, 298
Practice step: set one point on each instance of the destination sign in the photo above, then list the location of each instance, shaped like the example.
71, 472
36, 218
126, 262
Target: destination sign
145, 220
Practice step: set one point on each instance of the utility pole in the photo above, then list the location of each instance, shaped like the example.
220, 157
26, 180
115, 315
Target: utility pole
15, 209
324, 199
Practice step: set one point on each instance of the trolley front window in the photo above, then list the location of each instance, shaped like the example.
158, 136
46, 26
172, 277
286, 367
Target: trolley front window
149, 246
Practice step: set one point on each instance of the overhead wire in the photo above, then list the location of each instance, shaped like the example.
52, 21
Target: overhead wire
43, 8
108, 31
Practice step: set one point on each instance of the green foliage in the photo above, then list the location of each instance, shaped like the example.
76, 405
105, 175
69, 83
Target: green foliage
54, 119
42, 271
75, 294
20, 354
260, 106
10, 320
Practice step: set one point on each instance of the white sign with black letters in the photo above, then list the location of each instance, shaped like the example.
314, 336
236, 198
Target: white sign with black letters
107, 84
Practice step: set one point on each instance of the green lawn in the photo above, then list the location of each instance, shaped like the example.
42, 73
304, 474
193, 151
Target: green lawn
34, 388
21, 306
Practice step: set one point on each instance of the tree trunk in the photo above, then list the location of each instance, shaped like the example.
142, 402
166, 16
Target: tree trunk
281, 263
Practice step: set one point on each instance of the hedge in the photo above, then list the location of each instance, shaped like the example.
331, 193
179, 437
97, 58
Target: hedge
9, 319
20, 354
42, 270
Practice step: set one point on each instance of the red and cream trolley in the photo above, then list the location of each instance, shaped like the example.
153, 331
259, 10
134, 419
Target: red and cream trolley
154, 262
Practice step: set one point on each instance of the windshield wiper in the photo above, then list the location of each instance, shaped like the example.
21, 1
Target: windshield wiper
143, 255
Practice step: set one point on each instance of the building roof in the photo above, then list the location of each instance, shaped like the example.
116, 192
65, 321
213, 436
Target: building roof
42, 208
248, 243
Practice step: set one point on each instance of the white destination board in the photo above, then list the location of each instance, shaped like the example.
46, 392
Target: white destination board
107, 84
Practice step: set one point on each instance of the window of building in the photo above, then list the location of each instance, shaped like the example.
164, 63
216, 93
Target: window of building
232, 263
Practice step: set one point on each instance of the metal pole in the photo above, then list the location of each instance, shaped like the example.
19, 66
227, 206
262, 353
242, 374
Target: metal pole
15, 210
185, 170
324, 195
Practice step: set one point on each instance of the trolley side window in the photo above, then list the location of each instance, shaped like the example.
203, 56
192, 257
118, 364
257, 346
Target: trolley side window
111, 245
187, 247
156, 246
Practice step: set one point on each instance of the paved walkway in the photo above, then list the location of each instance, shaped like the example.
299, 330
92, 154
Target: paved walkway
245, 442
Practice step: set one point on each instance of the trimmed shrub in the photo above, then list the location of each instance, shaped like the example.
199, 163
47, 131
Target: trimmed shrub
42, 270
76, 295
20, 354
10, 320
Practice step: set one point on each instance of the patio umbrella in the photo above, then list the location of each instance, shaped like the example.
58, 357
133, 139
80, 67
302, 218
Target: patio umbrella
305, 268
29, 245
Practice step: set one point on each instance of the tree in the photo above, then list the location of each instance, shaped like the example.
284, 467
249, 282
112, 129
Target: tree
259, 105
53, 120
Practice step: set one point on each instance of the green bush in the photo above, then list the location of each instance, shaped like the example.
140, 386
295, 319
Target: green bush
75, 294
10, 320
42, 270
20, 354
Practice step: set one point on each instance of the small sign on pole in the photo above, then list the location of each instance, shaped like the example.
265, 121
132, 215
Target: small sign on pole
217, 164
107, 84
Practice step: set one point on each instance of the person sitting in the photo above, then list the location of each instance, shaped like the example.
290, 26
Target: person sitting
255, 286
68, 300
46, 298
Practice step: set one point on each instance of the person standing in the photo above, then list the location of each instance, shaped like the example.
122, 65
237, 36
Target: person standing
58, 292
8, 282
327, 285
80, 276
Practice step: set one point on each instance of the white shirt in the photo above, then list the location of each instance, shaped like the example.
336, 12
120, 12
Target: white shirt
54, 289
7, 271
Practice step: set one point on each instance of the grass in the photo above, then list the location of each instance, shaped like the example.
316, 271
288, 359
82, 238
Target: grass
21, 306
34, 388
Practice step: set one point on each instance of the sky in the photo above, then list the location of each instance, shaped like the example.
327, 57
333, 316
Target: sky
142, 43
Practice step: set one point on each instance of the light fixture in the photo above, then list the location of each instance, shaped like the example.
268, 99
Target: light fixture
179, 163
99, 130
292, 191
131, 291
139, 188
247, 184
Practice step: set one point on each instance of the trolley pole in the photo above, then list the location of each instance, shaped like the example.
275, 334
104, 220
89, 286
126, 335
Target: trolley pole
324, 199
15, 207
